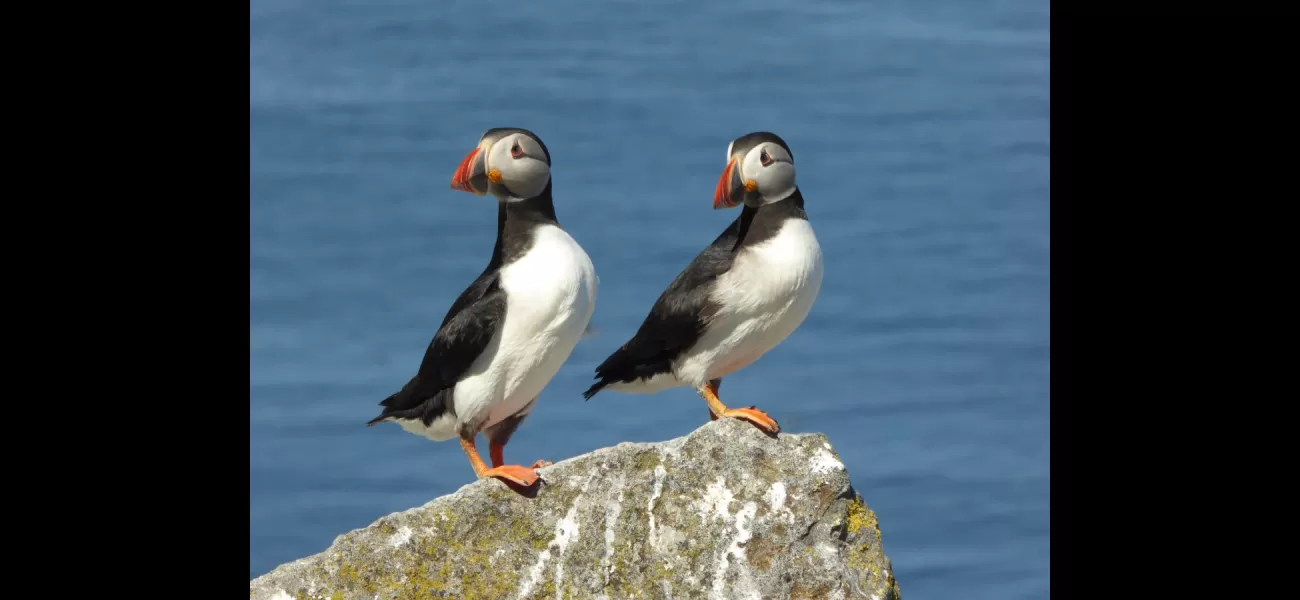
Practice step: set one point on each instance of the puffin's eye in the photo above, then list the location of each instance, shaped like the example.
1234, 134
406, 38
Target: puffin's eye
764, 158
516, 151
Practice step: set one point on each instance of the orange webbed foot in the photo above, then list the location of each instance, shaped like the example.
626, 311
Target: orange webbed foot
516, 474
755, 416
542, 463
752, 414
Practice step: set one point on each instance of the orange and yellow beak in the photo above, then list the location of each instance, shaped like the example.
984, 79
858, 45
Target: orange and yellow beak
724, 194
470, 176
730, 187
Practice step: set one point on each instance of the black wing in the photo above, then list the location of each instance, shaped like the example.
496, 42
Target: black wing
678, 318
466, 330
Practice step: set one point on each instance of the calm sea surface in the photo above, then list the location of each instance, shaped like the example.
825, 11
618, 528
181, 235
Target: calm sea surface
921, 133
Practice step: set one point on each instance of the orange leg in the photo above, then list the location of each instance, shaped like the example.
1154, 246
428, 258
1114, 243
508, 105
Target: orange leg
751, 414
512, 473
497, 452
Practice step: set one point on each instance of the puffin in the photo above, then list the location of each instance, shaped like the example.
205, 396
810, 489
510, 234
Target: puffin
509, 332
736, 300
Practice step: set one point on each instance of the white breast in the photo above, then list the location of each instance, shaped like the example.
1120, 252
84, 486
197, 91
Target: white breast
550, 297
764, 297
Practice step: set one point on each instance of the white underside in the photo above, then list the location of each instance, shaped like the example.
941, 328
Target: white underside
764, 297
550, 297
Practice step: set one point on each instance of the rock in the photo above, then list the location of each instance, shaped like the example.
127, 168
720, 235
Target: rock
724, 512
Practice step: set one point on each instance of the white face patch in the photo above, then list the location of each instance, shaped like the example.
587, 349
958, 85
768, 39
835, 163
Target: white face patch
776, 181
525, 176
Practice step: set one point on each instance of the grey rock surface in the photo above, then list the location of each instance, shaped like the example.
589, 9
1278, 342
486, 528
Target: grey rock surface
724, 512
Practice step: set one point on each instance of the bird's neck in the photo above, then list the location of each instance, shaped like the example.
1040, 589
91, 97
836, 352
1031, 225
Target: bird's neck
759, 223
514, 213
516, 219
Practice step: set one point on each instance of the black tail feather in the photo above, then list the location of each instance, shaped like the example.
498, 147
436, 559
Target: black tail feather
591, 391
386, 402
623, 367
605, 372
406, 413
412, 402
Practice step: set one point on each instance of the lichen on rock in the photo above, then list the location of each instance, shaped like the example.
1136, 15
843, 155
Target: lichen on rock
724, 512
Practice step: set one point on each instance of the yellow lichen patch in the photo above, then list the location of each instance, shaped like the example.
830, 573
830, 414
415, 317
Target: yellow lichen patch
661, 571
348, 573
446, 555
860, 516
544, 591
648, 460
861, 522
469, 562
622, 576
694, 530
860, 558
417, 583
387, 528
894, 592
626, 578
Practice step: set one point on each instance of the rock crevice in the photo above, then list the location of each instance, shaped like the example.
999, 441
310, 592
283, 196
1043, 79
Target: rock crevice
724, 512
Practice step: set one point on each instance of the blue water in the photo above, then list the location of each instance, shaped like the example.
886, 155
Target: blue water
921, 133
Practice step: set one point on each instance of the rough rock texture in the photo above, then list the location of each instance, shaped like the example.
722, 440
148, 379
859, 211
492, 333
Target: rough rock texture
725, 512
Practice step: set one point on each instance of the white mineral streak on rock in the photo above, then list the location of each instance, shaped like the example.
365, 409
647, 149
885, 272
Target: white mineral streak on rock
745, 582
650, 506
776, 501
613, 509
716, 504
566, 530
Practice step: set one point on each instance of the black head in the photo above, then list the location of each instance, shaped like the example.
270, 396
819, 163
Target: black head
760, 170
509, 162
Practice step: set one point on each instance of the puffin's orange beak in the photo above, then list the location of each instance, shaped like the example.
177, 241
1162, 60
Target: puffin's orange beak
469, 168
724, 194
